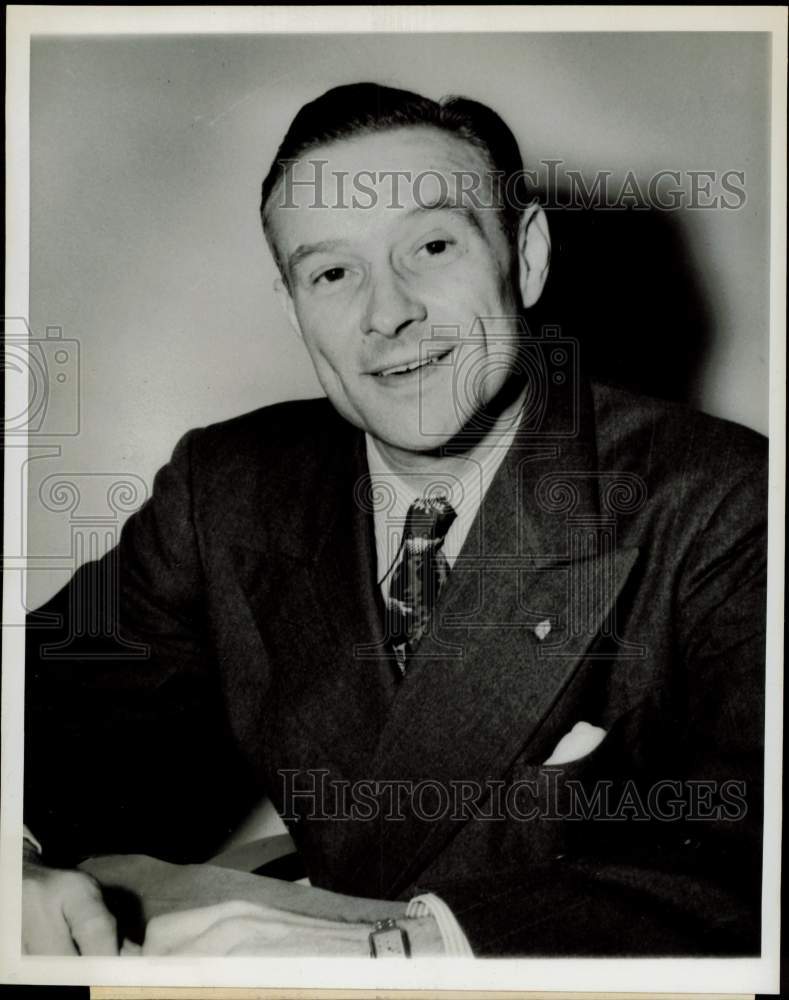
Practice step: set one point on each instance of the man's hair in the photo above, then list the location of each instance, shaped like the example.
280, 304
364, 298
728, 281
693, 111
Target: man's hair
365, 108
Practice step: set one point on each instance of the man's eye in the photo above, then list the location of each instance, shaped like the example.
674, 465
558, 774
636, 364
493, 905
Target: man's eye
441, 250
331, 276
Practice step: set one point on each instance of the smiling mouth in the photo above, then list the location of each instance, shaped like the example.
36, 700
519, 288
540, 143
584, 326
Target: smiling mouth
412, 366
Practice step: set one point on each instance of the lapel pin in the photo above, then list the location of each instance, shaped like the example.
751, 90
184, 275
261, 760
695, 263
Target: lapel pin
542, 629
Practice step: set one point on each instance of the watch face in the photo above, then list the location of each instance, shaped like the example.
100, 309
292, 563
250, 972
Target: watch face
390, 942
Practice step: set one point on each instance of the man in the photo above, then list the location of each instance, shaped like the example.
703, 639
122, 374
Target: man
489, 636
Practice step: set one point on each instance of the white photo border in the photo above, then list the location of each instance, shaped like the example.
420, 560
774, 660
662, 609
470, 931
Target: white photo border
679, 975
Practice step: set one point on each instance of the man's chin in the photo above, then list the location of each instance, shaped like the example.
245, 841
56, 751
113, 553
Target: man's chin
415, 441
415, 429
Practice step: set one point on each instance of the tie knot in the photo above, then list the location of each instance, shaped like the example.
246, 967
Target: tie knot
429, 518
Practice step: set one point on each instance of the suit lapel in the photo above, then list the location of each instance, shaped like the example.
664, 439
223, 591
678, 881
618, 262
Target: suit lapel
476, 695
479, 691
310, 584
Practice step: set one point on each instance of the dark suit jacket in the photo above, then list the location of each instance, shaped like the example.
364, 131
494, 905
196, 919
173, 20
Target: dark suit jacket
233, 645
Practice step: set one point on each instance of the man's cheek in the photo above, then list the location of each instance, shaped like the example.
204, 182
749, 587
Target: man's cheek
321, 328
460, 307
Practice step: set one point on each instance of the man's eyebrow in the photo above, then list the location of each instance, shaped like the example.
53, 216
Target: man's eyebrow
305, 249
448, 205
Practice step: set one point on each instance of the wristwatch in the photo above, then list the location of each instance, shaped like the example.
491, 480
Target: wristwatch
388, 940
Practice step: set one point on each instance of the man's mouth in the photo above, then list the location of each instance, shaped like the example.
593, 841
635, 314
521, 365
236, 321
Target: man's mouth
411, 366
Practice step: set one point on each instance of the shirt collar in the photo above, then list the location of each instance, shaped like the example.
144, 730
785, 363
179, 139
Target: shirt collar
392, 493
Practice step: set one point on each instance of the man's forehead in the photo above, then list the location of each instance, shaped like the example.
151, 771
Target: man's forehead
407, 156
393, 172
410, 147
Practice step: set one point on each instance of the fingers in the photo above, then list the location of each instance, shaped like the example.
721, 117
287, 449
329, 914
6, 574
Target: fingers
44, 928
63, 913
92, 925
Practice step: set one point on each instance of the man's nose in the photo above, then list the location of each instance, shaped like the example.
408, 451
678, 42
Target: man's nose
391, 307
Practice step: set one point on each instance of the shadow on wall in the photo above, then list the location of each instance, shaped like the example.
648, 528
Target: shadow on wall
623, 284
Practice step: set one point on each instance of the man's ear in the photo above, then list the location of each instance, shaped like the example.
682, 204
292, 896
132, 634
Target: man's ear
534, 254
286, 302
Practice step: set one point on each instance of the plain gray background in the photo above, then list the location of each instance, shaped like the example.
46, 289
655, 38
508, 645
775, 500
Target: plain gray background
147, 155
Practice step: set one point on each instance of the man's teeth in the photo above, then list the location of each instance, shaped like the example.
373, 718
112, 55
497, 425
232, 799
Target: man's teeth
402, 369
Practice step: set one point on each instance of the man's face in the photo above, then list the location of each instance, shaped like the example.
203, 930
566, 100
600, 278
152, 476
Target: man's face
400, 302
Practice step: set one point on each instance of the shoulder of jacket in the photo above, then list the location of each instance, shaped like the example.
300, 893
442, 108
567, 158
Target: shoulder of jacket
282, 430
673, 435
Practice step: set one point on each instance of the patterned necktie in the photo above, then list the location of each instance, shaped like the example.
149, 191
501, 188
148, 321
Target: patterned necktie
419, 575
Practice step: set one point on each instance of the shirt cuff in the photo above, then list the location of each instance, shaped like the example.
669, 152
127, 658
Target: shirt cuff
455, 941
28, 837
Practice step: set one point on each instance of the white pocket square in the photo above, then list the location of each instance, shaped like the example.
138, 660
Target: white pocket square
580, 741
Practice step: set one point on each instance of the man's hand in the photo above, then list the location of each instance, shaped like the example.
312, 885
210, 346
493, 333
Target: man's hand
244, 928
241, 928
63, 912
